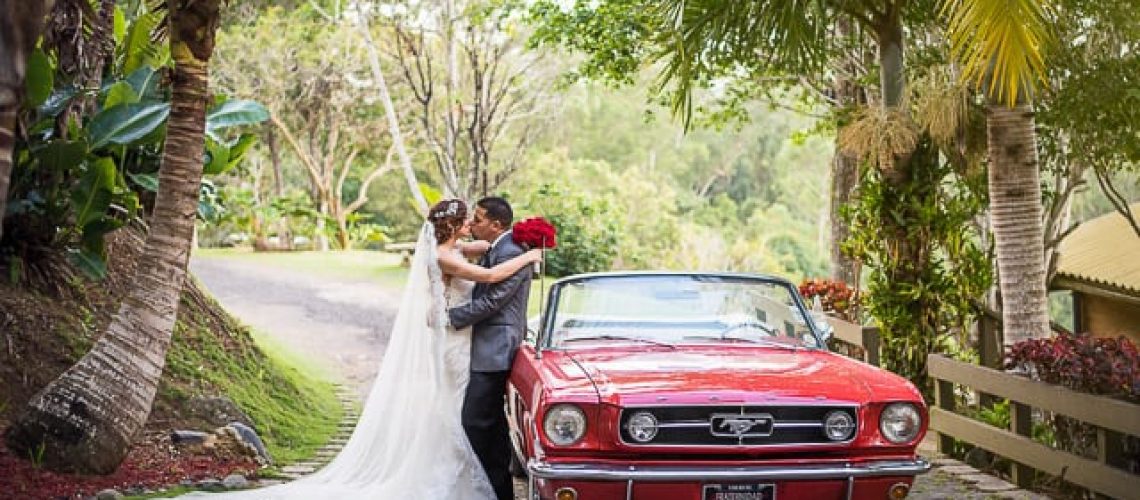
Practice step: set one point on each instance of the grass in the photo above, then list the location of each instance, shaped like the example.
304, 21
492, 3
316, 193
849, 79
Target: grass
292, 404
354, 264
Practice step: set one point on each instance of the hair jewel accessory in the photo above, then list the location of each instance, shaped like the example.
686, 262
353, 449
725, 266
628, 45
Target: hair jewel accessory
452, 210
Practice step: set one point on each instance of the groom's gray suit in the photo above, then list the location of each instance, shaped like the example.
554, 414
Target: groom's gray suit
497, 312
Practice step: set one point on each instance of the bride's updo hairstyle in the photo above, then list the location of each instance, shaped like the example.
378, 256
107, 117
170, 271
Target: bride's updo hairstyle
447, 216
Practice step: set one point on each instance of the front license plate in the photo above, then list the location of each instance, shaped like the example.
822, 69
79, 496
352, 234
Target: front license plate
740, 492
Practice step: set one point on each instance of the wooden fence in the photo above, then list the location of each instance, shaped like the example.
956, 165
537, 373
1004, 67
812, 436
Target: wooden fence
1113, 419
863, 337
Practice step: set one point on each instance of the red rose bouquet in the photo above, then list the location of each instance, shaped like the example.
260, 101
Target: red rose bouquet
535, 232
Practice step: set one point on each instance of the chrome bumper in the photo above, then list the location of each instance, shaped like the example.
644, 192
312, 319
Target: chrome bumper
664, 473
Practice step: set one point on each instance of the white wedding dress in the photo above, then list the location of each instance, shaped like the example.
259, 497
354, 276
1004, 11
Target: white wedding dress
409, 442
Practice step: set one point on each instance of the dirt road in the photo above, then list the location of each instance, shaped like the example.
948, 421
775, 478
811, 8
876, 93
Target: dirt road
339, 324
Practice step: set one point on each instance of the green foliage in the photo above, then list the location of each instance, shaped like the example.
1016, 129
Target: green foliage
38, 78
922, 248
88, 161
587, 232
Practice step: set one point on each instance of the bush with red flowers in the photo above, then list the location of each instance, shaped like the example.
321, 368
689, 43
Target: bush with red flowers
835, 296
535, 232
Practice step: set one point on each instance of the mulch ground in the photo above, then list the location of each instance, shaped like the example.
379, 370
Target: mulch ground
152, 464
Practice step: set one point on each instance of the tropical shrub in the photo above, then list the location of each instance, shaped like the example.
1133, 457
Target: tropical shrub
587, 234
1084, 363
835, 297
87, 162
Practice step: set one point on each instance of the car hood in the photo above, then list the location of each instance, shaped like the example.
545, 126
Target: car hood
730, 374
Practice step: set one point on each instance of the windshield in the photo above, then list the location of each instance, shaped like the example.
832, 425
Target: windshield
669, 310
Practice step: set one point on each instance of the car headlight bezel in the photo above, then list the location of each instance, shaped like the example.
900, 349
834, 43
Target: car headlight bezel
839, 419
564, 424
642, 427
900, 423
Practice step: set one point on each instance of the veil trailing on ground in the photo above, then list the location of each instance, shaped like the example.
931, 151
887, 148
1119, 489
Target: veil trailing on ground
407, 424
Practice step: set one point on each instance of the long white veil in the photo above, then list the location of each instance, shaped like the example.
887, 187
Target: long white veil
407, 423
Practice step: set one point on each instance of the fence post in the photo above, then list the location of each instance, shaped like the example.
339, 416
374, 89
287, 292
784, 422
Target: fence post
871, 344
1021, 423
944, 398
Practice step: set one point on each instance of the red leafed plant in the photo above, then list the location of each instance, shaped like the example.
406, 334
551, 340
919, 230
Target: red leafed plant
834, 296
1084, 363
1095, 365
535, 232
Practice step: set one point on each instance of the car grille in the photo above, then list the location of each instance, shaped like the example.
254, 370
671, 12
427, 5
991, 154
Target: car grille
735, 425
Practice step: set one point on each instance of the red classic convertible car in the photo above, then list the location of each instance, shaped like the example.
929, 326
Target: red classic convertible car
704, 387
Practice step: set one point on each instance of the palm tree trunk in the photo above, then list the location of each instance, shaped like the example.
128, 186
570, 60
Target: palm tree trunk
21, 22
1015, 210
85, 420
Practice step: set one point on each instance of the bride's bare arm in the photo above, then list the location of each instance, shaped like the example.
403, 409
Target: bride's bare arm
453, 265
473, 249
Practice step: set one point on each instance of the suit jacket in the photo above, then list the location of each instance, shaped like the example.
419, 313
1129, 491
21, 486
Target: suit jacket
497, 311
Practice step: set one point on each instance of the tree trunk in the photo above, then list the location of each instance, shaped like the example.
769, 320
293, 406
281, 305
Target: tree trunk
390, 111
844, 172
1015, 210
21, 22
844, 178
322, 238
85, 420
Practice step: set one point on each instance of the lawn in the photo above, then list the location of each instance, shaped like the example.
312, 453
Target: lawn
354, 264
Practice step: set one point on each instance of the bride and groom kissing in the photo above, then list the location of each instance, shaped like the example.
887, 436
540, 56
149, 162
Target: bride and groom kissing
433, 425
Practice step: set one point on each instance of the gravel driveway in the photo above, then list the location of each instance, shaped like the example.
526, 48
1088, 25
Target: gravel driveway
339, 324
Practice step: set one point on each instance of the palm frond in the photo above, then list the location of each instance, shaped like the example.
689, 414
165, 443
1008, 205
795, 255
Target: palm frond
700, 40
1003, 41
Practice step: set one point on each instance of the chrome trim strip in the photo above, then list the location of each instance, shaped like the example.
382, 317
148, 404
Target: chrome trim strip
693, 424
586, 471
850, 487
629, 490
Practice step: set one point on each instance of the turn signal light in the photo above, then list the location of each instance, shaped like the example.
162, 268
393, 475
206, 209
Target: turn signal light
898, 491
566, 494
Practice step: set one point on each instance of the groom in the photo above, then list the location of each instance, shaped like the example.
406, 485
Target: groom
498, 313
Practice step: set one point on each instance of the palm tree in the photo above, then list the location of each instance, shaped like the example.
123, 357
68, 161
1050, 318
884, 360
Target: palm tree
20, 24
999, 44
85, 420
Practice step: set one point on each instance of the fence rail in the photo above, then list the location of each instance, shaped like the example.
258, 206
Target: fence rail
1113, 418
863, 337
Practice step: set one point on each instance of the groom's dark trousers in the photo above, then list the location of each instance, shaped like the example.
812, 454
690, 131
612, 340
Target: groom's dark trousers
486, 427
497, 312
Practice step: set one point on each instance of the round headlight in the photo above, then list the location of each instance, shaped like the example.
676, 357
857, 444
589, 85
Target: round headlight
564, 424
900, 422
838, 425
642, 427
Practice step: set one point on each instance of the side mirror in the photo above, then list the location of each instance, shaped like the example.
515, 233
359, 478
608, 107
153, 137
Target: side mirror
826, 331
532, 326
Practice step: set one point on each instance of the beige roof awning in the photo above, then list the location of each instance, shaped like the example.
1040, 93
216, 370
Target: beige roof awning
1103, 252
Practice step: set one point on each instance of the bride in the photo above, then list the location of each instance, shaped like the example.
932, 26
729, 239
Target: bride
409, 442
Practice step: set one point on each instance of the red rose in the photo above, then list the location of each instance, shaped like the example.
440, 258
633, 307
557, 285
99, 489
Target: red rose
535, 232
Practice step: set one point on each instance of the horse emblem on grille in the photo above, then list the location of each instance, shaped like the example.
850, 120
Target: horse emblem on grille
741, 426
